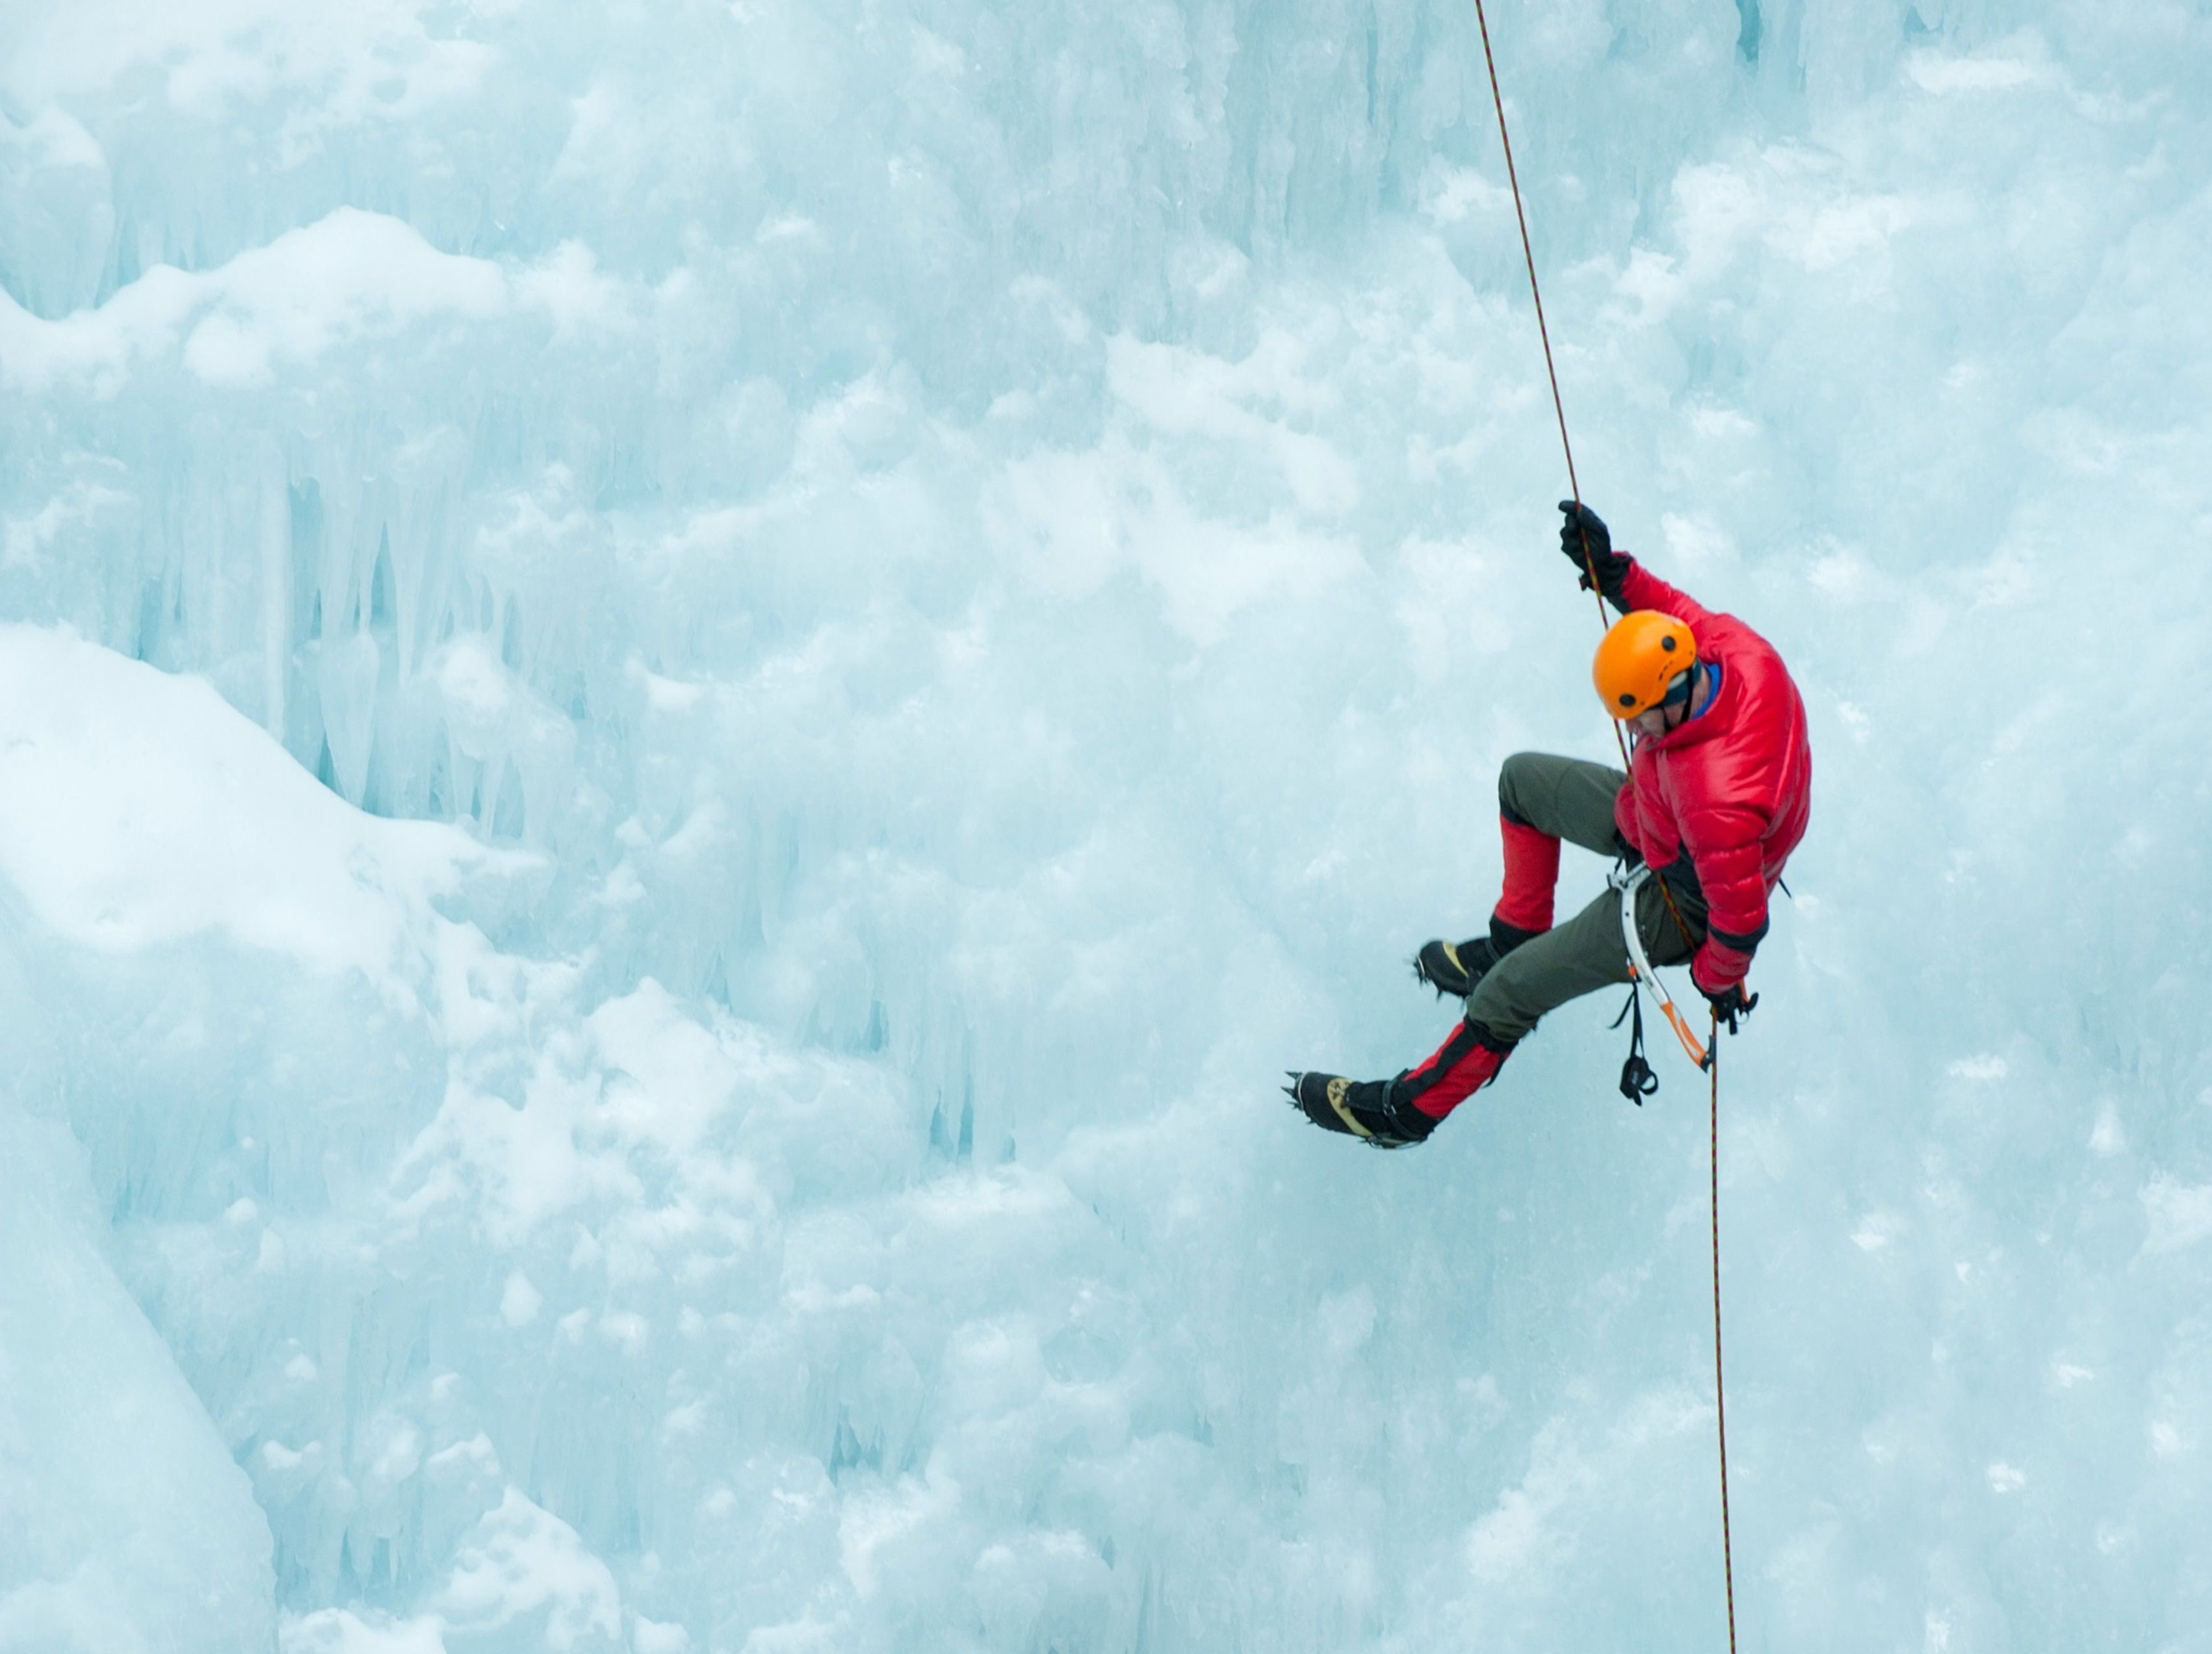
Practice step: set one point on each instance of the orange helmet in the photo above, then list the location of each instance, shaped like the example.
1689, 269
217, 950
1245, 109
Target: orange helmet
1639, 659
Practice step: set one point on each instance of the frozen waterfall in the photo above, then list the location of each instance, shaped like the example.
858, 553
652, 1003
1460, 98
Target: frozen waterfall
695, 699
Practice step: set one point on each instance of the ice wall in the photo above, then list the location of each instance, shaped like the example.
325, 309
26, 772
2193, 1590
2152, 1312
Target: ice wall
123, 1523
896, 606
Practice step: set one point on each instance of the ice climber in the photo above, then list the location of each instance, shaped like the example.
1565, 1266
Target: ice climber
1716, 796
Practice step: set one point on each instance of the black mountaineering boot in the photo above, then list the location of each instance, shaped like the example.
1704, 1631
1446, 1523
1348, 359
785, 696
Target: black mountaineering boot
1455, 969
1369, 1110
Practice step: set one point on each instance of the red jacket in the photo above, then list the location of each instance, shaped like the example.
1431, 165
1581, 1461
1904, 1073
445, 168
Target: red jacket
1730, 790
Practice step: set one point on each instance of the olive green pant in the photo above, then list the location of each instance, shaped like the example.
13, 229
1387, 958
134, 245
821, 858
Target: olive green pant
1572, 800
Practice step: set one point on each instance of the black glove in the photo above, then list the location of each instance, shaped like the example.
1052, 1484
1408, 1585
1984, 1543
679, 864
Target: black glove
1586, 544
1730, 1005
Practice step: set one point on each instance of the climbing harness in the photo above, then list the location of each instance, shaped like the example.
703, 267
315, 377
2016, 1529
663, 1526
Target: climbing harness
1628, 882
1708, 1058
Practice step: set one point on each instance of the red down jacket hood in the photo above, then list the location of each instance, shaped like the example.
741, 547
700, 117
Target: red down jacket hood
1730, 790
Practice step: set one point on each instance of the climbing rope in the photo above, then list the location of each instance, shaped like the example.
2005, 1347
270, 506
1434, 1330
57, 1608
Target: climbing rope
1711, 1061
1558, 406
1720, 1392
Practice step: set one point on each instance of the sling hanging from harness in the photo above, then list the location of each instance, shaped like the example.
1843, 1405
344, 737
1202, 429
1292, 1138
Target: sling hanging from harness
1638, 1081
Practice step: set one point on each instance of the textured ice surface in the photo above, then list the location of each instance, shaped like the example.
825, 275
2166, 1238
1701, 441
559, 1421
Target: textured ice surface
700, 696
124, 1524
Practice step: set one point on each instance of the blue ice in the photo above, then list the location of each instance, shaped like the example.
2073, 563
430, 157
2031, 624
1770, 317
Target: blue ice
693, 700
